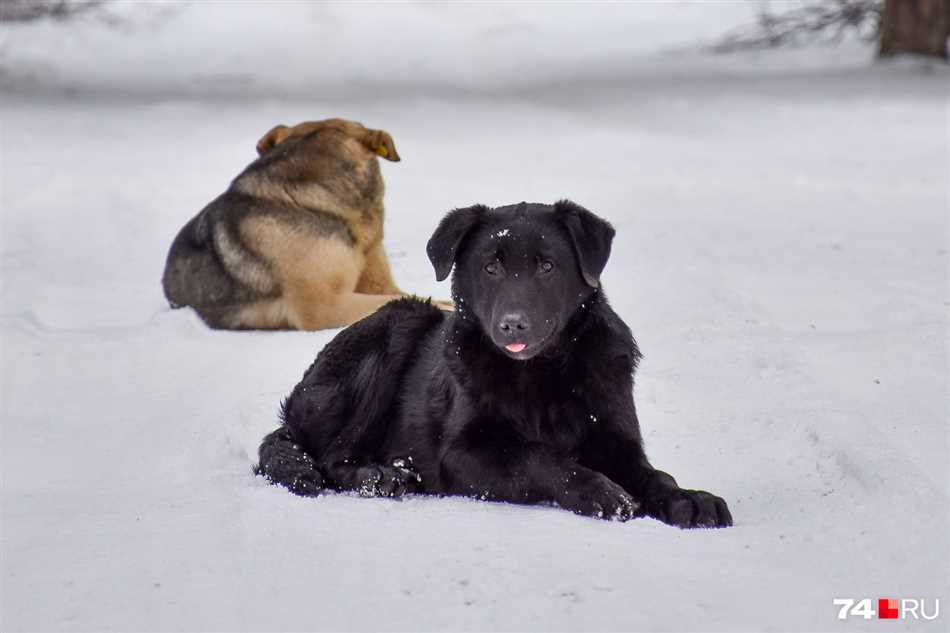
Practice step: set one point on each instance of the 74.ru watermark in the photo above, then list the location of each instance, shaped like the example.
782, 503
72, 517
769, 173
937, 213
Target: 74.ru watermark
888, 608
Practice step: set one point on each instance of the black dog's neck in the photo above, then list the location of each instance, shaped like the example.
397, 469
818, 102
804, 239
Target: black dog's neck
469, 340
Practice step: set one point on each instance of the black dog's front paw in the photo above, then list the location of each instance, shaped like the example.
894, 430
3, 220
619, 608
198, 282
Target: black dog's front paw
688, 509
387, 481
602, 499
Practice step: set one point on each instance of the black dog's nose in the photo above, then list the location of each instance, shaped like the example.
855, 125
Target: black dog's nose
514, 323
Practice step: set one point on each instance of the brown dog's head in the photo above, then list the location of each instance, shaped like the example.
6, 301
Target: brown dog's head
378, 142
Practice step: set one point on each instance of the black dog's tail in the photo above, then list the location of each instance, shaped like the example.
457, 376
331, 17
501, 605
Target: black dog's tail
284, 462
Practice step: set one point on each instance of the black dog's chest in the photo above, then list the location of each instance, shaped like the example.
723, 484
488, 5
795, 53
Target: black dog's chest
540, 404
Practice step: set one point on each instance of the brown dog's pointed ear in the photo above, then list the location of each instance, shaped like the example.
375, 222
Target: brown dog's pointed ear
278, 134
444, 243
382, 145
591, 236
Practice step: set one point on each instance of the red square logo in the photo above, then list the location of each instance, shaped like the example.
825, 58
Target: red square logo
887, 609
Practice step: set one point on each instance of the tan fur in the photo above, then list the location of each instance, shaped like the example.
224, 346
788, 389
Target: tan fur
267, 314
318, 278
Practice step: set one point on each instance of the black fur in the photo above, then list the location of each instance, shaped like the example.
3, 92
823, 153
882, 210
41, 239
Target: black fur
525, 394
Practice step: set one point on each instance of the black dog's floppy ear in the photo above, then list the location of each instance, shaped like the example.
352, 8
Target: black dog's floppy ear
444, 243
591, 237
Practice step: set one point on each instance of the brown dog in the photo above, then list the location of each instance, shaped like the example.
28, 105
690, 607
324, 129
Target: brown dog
297, 239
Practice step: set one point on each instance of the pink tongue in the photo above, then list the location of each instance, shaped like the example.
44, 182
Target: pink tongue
514, 348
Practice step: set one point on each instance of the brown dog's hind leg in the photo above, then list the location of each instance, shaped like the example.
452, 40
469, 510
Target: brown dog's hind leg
317, 276
377, 278
328, 311
317, 289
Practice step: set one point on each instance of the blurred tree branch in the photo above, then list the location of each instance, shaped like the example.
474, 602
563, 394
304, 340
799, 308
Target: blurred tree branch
31, 10
899, 26
825, 21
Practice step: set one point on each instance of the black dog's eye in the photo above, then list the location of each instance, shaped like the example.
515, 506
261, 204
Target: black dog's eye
545, 267
491, 268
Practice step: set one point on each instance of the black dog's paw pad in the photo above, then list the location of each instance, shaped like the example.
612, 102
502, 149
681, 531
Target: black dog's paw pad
619, 509
387, 481
679, 512
604, 500
722, 512
285, 463
369, 478
306, 484
405, 466
691, 509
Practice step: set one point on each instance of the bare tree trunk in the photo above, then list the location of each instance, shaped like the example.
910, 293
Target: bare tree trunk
915, 26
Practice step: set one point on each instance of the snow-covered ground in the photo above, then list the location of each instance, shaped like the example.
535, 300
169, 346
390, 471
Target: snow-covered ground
782, 257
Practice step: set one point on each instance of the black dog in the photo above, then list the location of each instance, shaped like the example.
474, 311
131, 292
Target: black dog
523, 395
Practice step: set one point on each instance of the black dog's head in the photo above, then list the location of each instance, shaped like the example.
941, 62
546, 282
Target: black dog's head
521, 270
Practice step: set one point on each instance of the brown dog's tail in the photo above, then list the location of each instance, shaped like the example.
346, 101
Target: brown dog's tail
284, 462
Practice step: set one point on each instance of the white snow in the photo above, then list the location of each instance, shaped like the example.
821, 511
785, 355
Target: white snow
782, 257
